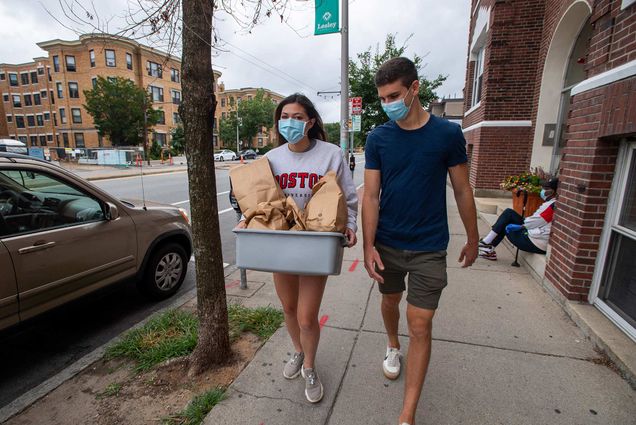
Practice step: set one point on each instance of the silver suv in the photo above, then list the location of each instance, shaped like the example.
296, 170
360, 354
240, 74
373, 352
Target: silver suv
61, 237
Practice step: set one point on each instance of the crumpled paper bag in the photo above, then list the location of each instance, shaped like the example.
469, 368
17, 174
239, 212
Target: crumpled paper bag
254, 183
267, 216
295, 216
327, 210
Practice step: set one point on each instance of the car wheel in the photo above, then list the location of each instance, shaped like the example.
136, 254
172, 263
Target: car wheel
165, 272
234, 158
221, 159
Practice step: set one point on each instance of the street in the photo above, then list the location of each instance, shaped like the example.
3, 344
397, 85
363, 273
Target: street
36, 351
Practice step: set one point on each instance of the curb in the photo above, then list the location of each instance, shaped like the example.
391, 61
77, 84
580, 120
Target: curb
33, 395
95, 178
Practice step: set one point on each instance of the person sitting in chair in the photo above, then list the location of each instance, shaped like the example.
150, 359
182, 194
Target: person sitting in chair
530, 234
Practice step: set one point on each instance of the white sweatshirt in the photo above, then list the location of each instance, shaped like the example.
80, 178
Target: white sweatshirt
539, 224
298, 172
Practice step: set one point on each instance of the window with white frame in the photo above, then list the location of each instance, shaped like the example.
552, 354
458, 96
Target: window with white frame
76, 115
156, 93
17, 102
62, 115
40, 120
70, 63
176, 96
13, 79
129, 61
110, 58
73, 90
478, 77
91, 55
60, 90
154, 69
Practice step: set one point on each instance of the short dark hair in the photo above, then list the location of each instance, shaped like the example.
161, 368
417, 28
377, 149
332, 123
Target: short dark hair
315, 132
402, 69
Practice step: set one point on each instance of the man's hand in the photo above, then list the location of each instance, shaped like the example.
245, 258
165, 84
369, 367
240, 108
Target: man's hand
241, 225
469, 254
352, 239
371, 261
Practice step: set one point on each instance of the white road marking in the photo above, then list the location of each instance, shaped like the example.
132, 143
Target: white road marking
136, 176
185, 202
224, 264
227, 210
359, 186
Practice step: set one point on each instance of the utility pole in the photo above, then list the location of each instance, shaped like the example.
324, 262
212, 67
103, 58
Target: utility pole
237, 130
146, 153
344, 77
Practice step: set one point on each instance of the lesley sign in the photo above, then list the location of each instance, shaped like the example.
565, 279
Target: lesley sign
327, 17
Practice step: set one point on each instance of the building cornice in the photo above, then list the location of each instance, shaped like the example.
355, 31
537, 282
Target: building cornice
521, 123
608, 77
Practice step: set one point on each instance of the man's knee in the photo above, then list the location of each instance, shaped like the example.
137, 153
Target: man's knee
420, 324
391, 300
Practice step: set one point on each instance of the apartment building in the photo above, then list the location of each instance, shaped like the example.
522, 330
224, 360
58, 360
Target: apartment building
26, 110
42, 100
227, 102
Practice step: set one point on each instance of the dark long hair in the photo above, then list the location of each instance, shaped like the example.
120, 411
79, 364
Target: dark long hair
315, 132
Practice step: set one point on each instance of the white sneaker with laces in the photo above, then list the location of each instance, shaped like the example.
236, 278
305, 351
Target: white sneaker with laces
392, 363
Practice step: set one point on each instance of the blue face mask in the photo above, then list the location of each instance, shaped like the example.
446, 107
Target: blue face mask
397, 110
543, 195
292, 130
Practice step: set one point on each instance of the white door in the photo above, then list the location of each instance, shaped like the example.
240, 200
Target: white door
614, 289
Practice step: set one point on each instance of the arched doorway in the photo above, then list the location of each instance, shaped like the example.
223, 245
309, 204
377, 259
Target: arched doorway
564, 68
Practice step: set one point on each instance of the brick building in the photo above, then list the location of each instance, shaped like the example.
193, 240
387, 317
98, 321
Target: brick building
552, 84
227, 101
42, 100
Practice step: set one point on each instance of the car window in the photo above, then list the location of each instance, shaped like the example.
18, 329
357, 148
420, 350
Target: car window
33, 201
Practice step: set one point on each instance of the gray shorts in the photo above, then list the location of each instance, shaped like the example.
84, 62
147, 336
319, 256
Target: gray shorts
426, 272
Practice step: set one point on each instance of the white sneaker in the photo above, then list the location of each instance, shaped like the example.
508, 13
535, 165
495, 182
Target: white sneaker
392, 363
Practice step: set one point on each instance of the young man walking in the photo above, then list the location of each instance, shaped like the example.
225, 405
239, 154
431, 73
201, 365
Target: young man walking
404, 217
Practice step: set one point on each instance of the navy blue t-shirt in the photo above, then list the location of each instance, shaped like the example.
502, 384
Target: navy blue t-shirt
413, 166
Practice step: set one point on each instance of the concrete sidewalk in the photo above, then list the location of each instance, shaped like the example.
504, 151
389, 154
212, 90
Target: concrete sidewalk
503, 353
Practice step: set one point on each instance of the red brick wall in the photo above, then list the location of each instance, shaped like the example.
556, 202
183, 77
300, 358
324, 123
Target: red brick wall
497, 152
614, 40
598, 121
510, 67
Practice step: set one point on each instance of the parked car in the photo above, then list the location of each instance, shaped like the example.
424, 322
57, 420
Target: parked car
225, 155
15, 146
62, 237
248, 154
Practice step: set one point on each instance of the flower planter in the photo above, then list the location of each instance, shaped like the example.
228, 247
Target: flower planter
533, 204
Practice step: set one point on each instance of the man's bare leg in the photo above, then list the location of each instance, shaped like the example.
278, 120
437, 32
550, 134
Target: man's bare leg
391, 316
420, 323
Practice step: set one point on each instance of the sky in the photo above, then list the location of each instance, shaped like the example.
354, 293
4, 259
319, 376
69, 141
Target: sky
283, 57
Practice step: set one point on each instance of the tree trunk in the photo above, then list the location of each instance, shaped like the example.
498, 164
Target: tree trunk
197, 112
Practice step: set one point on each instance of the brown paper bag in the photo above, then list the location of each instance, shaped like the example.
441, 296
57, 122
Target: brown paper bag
267, 216
295, 216
255, 183
327, 211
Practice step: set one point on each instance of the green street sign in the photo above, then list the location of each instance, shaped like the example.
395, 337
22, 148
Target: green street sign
327, 17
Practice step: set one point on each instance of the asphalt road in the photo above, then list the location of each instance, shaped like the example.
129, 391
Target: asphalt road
34, 352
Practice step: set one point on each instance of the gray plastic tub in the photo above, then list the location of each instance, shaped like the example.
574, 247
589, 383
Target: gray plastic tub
305, 253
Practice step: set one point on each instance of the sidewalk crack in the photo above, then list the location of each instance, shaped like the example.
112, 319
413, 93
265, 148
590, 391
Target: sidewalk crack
258, 397
353, 347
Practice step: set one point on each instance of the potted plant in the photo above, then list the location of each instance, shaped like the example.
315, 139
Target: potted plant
529, 181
